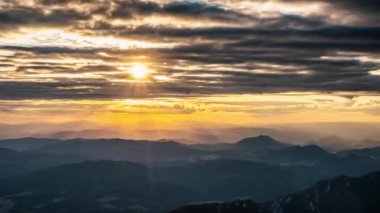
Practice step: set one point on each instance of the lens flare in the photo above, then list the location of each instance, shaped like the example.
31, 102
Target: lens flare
139, 71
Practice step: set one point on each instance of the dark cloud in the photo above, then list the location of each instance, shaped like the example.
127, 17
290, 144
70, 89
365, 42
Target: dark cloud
37, 68
131, 8
197, 10
6, 65
62, 13
365, 10
326, 32
58, 2
96, 68
52, 49
280, 53
362, 6
22, 16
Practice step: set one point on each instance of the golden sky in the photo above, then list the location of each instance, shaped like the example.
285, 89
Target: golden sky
170, 64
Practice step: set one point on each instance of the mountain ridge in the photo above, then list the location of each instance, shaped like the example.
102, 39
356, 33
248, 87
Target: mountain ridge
340, 194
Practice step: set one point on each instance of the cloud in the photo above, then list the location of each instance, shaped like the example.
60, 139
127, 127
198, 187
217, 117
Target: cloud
58, 2
51, 49
243, 53
15, 16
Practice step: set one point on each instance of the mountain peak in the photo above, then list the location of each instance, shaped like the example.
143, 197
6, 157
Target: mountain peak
264, 137
259, 138
314, 147
261, 142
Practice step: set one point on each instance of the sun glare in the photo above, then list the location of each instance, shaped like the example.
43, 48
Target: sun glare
139, 71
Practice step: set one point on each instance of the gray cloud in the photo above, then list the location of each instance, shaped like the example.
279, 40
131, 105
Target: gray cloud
15, 16
277, 54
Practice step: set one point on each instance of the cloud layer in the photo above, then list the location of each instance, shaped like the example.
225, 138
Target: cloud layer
79, 49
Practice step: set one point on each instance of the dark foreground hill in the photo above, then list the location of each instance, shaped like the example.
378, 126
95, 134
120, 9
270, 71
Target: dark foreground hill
342, 194
117, 186
227, 179
100, 186
236, 206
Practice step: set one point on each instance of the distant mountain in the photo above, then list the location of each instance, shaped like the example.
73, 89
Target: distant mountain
274, 152
120, 149
33, 129
296, 155
261, 142
86, 133
334, 143
213, 147
259, 149
22, 144
353, 165
15, 162
47, 175
368, 144
100, 186
342, 194
236, 206
353, 131
338, 144
370, 152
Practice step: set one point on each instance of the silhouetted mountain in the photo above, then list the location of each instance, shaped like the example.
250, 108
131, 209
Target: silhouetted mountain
247, 148
334, 143
287, 155
261, 142
86, 133
342, 194
4, 152
38, 129
259, 149
295, 155
227, 179
105, 185
14, 162
22, 144
213, 147
353, 165
370, 152
181, 170
101, 186
237, 206
119, 149
367, 144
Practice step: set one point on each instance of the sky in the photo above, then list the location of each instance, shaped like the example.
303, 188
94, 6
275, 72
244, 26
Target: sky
179, 64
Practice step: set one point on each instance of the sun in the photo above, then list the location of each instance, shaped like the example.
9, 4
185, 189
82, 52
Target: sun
139, 71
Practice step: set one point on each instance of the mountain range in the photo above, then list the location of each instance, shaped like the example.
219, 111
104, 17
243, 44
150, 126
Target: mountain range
117, 175
341, 194
331, 136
